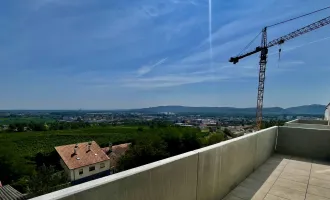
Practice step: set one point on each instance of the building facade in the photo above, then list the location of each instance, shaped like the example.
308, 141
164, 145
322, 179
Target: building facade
84, 161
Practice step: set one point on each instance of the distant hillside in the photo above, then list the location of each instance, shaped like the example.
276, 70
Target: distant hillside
306, 109
314, 109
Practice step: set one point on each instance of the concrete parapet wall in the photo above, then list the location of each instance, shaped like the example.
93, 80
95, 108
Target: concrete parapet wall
205, 174
223, 166
303, 142
172, 178
315, 124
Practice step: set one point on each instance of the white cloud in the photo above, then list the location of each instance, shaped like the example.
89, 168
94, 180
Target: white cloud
146, 69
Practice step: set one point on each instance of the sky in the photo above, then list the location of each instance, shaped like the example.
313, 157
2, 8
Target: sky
101, 54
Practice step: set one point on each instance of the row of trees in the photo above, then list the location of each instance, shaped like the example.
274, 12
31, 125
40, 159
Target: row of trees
163, 143
39, 126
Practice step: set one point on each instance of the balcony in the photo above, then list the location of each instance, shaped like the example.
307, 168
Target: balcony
275, 163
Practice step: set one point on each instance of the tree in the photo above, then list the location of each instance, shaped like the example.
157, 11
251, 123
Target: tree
215, 138
45, 180
148, 148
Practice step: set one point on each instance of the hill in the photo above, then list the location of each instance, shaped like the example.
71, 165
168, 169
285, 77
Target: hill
314, 109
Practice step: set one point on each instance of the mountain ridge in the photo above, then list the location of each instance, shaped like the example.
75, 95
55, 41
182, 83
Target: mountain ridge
313, 109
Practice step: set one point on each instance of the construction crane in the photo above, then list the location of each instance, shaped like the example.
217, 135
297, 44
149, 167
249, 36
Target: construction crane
263, 49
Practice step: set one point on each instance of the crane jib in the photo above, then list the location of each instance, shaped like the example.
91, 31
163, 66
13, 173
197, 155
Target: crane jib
301, 31
281, 40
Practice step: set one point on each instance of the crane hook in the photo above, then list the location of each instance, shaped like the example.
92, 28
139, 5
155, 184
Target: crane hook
279, 55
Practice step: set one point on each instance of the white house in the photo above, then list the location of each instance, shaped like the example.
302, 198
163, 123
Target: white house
84, 161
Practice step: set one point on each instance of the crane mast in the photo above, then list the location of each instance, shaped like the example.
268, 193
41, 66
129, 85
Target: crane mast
262, 76
263, 49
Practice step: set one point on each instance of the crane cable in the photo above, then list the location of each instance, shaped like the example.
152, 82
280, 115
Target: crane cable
299, 17
249, 44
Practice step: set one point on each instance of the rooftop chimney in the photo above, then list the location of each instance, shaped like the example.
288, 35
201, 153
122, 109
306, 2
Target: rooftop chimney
75, 149
110, 147
89, 146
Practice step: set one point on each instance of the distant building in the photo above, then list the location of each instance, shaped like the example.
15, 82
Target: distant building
115, 152
84, 161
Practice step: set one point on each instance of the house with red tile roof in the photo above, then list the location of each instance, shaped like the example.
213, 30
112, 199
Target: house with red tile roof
84, 161
115, 153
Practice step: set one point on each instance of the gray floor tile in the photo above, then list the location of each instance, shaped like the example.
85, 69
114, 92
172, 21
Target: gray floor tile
319, 191
264, 176
287, 193
293, 170
319, 175
319, 182
248, 194
300, 165
294, 177
273, 197
256, 184
291, 184
321, 170
314, 197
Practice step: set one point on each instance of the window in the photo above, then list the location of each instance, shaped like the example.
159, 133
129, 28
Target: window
102, 165
81, 171
92, 168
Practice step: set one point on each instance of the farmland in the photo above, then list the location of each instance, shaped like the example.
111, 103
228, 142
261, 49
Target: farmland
30, 143
12, 120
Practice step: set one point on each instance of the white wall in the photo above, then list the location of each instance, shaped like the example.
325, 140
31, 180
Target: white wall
86, 173
67, 171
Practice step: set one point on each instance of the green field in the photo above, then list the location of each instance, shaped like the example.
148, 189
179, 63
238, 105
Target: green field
30, 143
13, 120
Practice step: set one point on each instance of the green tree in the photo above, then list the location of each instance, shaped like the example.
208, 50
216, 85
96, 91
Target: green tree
215, 138
148, 149
46, 180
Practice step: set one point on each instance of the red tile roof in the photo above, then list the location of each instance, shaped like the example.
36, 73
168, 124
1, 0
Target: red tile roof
83, 157
117, 152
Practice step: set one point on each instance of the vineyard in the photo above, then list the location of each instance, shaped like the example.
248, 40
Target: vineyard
26, 144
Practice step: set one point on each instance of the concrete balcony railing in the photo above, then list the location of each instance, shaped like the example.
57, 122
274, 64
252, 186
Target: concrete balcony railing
302, 123
212, 172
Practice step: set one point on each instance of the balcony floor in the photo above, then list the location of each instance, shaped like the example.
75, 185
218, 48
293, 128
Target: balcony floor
285, 177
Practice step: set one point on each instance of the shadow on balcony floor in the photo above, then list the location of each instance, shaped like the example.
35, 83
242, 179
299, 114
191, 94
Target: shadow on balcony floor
285, 177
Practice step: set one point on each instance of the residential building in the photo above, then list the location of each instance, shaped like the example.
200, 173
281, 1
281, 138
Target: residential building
114, 153
84, 161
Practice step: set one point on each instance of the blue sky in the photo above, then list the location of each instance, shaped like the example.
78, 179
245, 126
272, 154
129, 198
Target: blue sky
101, 54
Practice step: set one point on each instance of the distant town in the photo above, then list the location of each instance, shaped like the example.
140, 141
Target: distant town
203, 121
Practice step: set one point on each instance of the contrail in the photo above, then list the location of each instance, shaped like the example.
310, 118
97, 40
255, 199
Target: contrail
210, 32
